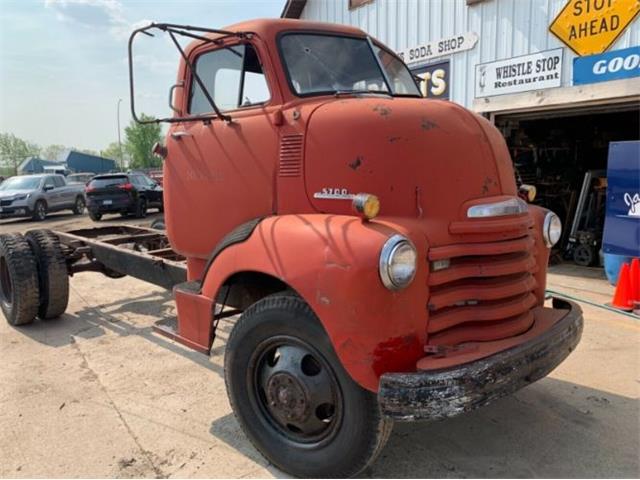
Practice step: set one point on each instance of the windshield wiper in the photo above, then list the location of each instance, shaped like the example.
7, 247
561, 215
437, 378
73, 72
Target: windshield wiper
338, 93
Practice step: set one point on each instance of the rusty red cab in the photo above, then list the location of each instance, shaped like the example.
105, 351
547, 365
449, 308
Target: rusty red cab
373, 241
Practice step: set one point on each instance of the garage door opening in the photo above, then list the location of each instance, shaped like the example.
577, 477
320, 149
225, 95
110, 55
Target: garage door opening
563, 153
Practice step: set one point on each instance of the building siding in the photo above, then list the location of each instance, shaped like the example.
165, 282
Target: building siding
506, 28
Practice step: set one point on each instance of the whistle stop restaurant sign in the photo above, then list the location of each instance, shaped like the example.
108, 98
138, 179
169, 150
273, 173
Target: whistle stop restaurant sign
520, 74
591, 26
435, 79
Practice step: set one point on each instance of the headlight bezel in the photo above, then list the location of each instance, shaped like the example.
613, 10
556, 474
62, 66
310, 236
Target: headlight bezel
546, 229
389, 249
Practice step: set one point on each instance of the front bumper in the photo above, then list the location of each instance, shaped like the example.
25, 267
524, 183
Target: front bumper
447, 392
15, 211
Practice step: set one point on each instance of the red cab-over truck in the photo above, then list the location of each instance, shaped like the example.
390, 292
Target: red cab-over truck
372, 241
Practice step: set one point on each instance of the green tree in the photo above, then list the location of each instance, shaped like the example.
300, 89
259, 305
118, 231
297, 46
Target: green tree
139, 140
52, 152
113, 152
14, 150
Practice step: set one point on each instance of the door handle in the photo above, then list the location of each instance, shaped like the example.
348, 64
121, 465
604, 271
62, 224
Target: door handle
180, 134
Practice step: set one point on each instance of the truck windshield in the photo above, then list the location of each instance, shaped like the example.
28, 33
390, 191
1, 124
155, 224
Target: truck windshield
21, 183
320, 63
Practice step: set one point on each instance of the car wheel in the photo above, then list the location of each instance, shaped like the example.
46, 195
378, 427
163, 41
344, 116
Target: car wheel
53, 278
141, 208
78, 208
293, 398
40, 211
95, 216
19, 290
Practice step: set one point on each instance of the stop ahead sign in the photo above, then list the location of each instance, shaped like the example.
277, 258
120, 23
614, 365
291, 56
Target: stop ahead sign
591, 26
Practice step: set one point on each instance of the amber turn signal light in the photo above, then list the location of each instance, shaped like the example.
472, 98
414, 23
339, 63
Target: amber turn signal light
366, 205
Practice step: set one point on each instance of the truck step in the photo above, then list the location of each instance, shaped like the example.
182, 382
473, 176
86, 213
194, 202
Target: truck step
168, 327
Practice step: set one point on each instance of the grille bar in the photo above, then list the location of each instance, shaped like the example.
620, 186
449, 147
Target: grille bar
486, 311
481, 289
489, 266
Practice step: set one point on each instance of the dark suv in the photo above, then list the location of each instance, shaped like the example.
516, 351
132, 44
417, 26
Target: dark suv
123, 193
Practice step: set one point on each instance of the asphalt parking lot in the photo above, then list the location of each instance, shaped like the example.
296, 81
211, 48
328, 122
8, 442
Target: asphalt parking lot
97, 394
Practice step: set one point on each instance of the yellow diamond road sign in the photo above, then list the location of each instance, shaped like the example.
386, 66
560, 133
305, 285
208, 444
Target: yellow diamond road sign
591, 26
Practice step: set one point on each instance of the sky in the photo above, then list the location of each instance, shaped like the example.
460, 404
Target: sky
63, 63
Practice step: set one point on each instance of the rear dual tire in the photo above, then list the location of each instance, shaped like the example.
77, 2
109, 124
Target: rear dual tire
33, 277
53, 278
19, 286
293, 398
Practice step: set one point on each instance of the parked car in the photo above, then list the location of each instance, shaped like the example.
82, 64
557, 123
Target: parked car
82, 178
123, 193
36, 195
157, 176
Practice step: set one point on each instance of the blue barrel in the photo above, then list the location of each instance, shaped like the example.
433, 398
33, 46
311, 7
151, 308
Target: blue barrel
612, 265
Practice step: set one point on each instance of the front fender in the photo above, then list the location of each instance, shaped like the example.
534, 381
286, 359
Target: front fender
331, 261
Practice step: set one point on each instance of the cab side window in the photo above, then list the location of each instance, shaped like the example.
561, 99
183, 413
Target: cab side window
233, 77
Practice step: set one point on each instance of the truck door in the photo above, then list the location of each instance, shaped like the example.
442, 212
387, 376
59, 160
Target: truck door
51, 193
220, 174
65, 194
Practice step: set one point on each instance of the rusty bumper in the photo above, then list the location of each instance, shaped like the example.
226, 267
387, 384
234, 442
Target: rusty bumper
444, 393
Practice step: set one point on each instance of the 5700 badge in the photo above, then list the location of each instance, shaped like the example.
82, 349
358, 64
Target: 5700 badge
333, 194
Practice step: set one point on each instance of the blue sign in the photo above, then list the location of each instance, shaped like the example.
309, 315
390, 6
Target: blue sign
622, 220
607, 66
435, 79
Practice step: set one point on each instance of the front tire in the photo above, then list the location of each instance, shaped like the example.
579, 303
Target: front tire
293, 398
95, 216
40, 211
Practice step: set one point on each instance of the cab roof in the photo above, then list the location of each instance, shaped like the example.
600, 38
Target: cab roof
268, 28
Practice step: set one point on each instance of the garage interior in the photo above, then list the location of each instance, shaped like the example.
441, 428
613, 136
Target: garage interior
563, 153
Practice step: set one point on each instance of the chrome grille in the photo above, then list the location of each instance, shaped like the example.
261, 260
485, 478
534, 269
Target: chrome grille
486, 293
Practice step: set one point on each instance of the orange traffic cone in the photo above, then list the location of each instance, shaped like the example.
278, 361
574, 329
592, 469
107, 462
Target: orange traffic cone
622, 297
634, 280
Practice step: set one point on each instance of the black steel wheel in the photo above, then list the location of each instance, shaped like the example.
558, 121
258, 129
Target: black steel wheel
292, 396
40, 211
79, 206
296, 389
18, 280
53, 277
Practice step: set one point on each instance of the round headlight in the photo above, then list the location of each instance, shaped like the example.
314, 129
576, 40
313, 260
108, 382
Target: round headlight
551, 229
397, 263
